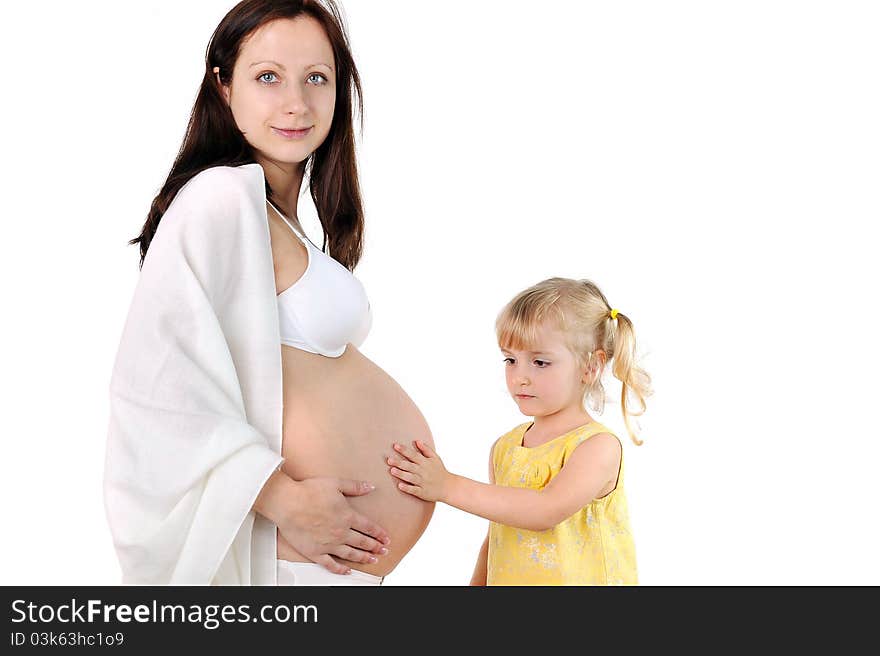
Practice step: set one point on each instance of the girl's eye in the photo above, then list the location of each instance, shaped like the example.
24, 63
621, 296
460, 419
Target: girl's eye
541, 363
263, 77
321, 79
508, 360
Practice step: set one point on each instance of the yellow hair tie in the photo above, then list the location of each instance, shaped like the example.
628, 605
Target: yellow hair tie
614, 314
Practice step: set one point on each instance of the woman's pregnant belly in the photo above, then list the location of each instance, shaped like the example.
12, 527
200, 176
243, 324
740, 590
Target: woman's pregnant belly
341, 416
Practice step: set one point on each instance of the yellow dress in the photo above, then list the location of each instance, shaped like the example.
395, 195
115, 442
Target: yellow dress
592, 547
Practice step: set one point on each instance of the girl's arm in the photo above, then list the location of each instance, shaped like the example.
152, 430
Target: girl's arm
591, 466
481, 569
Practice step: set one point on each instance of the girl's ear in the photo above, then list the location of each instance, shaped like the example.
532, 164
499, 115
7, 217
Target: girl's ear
601, 361
587, 370
595, 365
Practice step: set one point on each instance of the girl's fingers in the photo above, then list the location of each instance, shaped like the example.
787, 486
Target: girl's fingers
405, 476
400, 463
408, 452
425, 449
409, 489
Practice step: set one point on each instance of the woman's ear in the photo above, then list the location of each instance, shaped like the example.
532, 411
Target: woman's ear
223, 89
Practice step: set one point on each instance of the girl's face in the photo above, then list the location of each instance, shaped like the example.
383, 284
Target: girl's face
283, 89
546, 379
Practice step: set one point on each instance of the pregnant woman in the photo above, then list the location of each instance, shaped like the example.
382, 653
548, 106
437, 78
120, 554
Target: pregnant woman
248, 434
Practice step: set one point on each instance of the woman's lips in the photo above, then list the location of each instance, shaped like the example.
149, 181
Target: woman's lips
292, 134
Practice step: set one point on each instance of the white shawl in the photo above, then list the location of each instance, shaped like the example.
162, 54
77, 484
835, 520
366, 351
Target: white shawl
195, 394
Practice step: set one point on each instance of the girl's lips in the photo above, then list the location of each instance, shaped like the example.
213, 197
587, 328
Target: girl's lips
291, 134
524, 396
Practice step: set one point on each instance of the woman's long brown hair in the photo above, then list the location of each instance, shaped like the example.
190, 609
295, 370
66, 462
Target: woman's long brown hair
213, 139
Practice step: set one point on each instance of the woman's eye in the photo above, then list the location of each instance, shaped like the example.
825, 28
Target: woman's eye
321, 79
264, 76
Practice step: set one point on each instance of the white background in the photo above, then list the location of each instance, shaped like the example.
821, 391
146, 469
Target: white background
712, 166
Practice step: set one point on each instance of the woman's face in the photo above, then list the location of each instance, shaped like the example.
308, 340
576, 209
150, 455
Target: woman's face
283, 89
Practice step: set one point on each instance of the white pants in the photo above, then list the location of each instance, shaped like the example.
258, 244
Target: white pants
291, 573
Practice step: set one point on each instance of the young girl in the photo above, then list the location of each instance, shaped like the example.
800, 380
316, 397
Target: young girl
556, 504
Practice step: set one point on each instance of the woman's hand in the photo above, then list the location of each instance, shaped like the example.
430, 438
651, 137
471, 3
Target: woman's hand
420, 471
315, 518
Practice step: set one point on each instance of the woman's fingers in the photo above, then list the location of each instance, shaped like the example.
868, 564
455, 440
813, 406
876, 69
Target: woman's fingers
366, 543
329, 563
355, 555
358, 549
325, 524
352, 488
363, 525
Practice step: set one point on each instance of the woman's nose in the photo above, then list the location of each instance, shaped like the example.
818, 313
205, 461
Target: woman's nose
294, 100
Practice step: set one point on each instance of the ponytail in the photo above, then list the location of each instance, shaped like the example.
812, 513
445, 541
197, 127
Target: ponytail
636, 381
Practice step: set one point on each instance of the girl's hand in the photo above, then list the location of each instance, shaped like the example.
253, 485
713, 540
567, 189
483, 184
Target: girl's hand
420, 471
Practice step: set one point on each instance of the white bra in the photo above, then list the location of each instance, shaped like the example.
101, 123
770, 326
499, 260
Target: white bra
326, 309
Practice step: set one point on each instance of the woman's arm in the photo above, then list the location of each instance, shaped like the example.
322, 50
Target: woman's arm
590, 467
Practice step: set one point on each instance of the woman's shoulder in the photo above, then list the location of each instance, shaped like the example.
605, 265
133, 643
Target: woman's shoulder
223, 181
216, 223
218, 196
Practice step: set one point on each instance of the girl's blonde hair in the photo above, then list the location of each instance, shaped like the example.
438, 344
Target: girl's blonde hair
580, 310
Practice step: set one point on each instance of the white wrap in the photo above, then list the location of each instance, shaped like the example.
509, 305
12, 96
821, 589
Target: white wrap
195, 394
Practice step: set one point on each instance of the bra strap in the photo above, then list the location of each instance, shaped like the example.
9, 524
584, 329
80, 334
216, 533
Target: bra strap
286, 220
